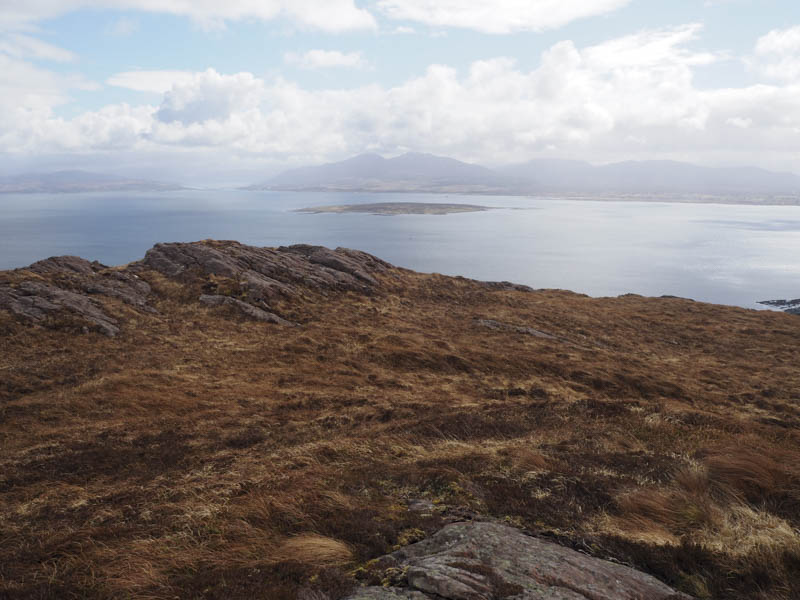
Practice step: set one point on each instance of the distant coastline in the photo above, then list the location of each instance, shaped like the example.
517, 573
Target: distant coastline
396, 208
667, 197
635, 181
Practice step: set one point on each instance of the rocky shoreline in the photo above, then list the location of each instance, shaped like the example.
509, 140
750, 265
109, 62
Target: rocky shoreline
788, 306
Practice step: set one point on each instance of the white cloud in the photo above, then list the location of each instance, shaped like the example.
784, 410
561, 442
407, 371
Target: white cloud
24, 46
325, 15
209, 96
629, 97
652, 48
158, 82
324, 59
777, 54
739, 122
499, 16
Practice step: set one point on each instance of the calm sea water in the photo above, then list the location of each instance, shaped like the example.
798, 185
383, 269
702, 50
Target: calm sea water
726, 254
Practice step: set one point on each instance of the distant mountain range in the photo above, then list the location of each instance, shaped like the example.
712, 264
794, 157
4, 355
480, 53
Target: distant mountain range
78, 181
428, 173
656, 176
407, 173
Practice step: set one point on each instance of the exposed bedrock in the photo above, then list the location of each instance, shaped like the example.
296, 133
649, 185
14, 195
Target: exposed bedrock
488, 561
66, 285
269, 273
69, 285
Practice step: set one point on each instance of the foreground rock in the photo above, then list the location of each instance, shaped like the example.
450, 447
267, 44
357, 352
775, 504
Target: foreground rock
487, 561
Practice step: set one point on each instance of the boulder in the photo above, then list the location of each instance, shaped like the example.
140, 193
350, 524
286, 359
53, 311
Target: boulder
489, 561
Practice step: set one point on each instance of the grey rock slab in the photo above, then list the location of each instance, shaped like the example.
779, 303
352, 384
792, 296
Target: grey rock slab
35, 300
484, 561
388, 593
498, 326
249, 310
61, 264
66, 283
269, 271
505, 286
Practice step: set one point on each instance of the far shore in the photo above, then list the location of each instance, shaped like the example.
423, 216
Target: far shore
397, 208
668, 198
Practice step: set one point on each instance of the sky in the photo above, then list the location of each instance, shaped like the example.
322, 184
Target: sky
233, 91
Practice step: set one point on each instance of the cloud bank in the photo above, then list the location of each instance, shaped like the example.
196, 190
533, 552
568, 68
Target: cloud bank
777, 54
324, 15
499, 16
634, 96
326, 59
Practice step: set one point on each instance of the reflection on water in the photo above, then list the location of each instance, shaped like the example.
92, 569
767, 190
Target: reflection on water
767, 225
730, 254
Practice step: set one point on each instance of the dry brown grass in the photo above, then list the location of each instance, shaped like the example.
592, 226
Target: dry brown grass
199, 455
315, 550
754, 475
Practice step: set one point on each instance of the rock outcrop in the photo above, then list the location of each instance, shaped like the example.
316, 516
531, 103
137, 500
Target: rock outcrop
269, 273
65, 285
69, 285
489, 561
35, 301
791, 307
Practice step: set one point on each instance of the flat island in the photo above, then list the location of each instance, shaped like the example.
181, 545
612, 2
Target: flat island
397, 208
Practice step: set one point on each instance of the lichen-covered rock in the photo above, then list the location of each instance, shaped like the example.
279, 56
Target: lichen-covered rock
488, 561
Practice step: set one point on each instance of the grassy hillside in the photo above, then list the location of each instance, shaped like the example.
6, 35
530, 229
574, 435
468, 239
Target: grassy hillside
199, 454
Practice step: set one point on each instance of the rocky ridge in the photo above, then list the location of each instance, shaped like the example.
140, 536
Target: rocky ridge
69, 286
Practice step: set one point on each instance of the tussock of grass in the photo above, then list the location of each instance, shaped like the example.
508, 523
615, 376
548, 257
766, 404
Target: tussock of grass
746, 472
315, 550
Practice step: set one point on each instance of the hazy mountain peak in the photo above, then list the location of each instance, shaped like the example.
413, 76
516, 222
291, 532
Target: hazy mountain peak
417, 171
412, 171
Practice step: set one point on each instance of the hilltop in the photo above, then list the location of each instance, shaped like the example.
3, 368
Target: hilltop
223, 421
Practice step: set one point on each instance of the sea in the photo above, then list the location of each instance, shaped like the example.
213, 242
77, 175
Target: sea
721, 253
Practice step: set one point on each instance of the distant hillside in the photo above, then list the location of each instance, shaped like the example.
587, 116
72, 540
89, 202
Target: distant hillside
78, 181
650, 177
411, 172
428, 173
